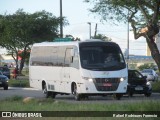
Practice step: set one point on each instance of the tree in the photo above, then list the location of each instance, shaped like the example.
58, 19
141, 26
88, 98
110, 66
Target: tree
20, 30
73, 38
143, 16
147, 66
102, 37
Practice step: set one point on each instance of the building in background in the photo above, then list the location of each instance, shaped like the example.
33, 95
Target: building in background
6, 60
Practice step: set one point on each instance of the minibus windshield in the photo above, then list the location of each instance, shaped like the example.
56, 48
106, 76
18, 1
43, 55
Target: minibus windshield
102, 57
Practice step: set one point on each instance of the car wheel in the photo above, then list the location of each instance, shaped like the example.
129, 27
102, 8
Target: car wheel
6, 87
147, 94
130, 94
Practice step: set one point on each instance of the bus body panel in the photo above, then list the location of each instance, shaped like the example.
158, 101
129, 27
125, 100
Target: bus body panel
59, 78
89, 84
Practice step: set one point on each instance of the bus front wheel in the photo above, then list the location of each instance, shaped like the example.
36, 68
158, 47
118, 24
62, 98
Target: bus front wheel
45, 91
117, 96
77, 96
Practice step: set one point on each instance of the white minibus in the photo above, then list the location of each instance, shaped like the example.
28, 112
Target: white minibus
81, 68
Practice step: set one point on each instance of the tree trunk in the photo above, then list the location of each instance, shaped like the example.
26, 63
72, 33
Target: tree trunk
154, 50
22, 61
15, 59
21, 65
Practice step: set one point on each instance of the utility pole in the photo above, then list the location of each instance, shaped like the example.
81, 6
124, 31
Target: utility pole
61, 20
128, 40
95, 31
89, 30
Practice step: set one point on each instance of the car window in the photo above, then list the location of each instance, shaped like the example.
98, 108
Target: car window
138, 75
134, 74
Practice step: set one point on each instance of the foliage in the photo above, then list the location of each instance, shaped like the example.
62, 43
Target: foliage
14, 98
56, 105
73, 38
19, 83
20, 30
132, 65
156, 86
102, 37
142, 14
26, 54
146, 66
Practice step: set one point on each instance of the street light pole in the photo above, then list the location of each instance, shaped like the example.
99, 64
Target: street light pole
89, 30
128, 40
61, 20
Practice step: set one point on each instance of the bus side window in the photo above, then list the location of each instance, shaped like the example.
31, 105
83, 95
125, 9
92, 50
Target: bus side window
75, 58
54, 56
68, 57
70, 60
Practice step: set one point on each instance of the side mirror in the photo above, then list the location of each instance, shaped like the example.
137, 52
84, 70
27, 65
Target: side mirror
145, 77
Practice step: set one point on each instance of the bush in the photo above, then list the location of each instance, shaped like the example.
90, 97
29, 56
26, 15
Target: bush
156, 86
14, 98
147, 66
19, 83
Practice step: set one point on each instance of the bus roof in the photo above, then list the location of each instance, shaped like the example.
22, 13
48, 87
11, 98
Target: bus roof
55, 43
76, 43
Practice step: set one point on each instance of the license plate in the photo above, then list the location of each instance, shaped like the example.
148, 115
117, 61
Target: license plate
107, 84
139, 88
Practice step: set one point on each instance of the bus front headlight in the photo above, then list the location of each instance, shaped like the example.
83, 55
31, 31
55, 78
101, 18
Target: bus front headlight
123, 78
87, 78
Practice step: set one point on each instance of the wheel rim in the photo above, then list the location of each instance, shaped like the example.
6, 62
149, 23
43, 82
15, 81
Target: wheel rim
45, 90
76, 95
75, 90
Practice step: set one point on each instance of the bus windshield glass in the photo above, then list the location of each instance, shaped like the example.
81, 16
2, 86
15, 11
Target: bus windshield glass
102, 57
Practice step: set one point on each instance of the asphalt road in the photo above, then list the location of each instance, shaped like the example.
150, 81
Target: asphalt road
31, 92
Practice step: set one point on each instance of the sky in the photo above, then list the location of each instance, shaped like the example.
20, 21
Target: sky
78, 15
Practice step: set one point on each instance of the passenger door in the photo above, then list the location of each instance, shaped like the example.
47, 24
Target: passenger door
66, 71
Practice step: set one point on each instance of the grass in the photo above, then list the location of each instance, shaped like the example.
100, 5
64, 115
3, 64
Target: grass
17, 103
156, 86
18, 83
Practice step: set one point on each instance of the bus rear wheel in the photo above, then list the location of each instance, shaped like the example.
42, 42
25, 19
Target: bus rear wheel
77, 96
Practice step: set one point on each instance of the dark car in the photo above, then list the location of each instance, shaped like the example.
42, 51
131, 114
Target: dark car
3, 81
6, 71
138, 84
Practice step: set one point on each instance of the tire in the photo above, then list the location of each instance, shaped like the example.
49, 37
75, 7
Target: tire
6, 87
53, 95
117, 96
147, 94
84, 97
77, 96
45, 92
130, 94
